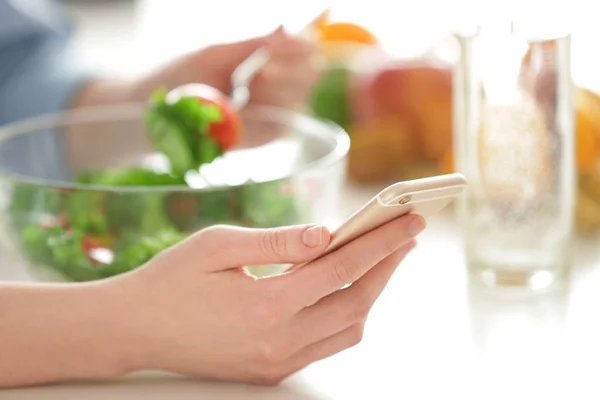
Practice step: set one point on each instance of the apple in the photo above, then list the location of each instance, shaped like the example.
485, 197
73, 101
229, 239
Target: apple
380, 149
419, 91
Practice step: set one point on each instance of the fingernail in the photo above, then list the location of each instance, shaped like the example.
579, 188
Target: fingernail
313, 237
416, 226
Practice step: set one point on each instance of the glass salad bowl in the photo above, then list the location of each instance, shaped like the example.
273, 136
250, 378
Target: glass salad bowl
289, 169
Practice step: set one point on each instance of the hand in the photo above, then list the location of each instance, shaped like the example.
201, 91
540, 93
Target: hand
193, 310
285, 81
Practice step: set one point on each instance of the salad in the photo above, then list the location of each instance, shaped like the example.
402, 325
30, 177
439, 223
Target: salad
84, 234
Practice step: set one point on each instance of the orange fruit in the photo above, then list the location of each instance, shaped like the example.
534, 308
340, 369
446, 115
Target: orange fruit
446, 163
587, 126
346, 32
435, 126
586, 142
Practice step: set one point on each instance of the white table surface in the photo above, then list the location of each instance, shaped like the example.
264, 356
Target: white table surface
431, 335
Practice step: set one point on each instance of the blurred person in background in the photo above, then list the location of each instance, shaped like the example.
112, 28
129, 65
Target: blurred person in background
40, 74
191, 309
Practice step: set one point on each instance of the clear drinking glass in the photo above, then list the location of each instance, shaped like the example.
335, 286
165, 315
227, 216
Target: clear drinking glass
514, 141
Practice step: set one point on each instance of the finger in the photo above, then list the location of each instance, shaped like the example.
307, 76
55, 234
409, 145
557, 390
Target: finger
219, 61
284, 84
346, 307
288, 78
278, 75
307, 285
325, 348
232, 54
222, 247
289, 48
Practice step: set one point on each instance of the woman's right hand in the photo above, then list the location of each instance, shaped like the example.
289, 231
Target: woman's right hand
193, 310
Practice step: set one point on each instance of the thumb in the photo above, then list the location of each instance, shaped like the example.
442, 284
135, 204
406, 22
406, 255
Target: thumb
223, 247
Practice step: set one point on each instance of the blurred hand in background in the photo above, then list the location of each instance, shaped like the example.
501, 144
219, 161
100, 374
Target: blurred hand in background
286, 80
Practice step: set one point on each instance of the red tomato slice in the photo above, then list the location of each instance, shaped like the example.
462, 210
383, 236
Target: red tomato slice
91, 242
227, 132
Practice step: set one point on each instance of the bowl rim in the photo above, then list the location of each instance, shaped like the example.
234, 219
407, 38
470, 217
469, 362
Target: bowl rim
132, 111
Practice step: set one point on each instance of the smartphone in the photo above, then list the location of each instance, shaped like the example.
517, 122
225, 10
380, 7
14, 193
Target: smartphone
425, 197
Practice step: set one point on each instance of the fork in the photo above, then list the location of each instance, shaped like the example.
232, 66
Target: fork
245, 72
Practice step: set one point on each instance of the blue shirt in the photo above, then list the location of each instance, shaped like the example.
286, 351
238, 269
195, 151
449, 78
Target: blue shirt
38, 75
